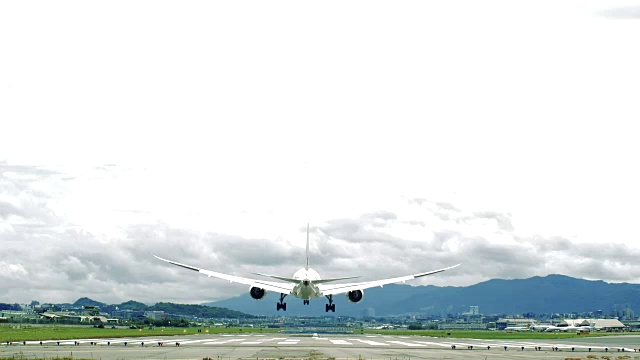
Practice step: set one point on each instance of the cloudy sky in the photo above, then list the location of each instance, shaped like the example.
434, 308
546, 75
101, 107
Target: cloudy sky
411, 136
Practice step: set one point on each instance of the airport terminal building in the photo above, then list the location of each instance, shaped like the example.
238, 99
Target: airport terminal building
597, 324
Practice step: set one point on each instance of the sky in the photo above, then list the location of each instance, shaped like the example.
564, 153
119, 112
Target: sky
410, 135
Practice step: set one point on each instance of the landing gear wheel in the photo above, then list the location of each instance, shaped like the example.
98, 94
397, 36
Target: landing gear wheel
330, 306
305, 302
281, 305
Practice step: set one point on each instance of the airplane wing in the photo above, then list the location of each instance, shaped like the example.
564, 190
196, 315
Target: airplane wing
334, 289
284, 288
298, 280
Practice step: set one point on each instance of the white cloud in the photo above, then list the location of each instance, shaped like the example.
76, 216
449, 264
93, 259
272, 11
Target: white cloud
9, 270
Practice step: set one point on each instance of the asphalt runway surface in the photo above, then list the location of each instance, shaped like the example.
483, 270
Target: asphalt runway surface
324, 346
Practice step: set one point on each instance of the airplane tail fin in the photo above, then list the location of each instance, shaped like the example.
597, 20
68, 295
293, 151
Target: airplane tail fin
307, 252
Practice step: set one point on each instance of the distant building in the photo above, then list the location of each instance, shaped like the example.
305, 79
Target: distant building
128, 314
632, 325
627, 313
502, 324
155, 315
369, 312
462, 326
474, 310
598, 324
12, 315
90, 310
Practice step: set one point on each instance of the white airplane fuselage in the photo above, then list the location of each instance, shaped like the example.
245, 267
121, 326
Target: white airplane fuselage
517, 328
306, 289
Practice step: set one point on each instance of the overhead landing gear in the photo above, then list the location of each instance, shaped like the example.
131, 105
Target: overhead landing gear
281, 305
305, 302
330, 306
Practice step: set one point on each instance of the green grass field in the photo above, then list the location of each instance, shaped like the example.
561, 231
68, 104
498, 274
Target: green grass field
33, 333
485, 334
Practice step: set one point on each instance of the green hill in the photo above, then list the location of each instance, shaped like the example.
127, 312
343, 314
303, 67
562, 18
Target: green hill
85, 301
132, 305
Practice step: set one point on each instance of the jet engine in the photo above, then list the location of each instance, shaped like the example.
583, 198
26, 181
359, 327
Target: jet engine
257, 293
355, 296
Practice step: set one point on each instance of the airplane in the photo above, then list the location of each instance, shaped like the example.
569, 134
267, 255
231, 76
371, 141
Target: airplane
306, 283
518, 328
540, 327
531, 326
568, 328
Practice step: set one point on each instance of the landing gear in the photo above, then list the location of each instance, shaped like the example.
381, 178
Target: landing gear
305, 302
330, 306
281, 305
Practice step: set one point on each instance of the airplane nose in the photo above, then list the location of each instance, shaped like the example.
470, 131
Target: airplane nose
306, 282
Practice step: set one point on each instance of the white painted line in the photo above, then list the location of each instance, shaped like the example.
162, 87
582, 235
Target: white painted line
193, 341
370, 342
222, 341
340, 342
406, 343
432, 343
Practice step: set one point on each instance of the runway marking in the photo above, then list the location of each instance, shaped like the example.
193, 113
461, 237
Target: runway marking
289, 342
134, 341
194, 341
222, 342
433, 343
370, 342
406, 343
259, 341
340, 342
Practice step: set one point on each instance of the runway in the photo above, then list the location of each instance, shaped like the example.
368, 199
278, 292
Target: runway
288, 346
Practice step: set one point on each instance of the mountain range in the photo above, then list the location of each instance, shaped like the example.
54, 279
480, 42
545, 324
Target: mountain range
548, 294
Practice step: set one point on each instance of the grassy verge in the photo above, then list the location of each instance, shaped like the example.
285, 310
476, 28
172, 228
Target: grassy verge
35, 333
485, 334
